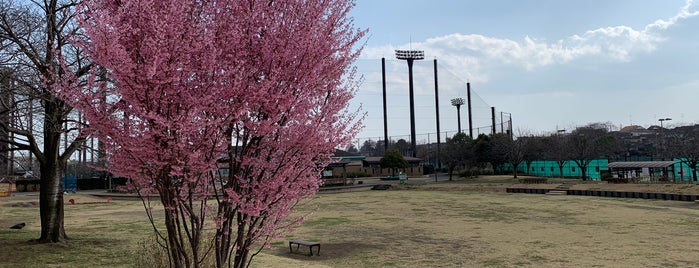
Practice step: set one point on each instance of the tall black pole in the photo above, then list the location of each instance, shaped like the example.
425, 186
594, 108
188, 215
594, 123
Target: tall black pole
385, 116
436, 105
510, 125
410, 56
502, 128
413, 144
457, 103
470, 118
458, 117
492, 115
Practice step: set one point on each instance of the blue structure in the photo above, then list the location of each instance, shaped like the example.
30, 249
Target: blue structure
547, 168
70, 184
682, 171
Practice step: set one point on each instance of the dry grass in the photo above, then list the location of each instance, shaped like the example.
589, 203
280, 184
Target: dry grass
424, 226
100, 233
471, 229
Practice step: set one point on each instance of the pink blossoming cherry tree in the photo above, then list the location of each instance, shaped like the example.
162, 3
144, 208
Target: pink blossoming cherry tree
192, 88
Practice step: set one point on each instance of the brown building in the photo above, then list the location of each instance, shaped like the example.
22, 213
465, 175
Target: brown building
348, 166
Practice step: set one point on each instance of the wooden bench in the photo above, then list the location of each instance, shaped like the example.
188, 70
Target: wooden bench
309, 244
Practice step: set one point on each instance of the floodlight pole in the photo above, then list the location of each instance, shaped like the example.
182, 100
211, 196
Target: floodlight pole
436, 105
457, 103
385, 116
470, 118
410, 56
492, 116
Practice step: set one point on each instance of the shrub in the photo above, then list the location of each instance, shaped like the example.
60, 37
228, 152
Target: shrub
487, 171
606, 175
474, 172
357, 174
150, 253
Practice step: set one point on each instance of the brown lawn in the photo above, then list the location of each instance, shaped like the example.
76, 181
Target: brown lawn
457, 224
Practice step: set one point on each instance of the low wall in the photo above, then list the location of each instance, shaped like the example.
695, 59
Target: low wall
618, 194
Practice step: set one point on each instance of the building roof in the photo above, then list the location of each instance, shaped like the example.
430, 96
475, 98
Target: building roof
336, 164
340, 154
377, 159
641, 164
631, 128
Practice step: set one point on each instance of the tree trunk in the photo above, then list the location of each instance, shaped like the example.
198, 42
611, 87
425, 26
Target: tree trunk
175, 249
560, 167
561, 171
528, 165
582, 165
51, 192
242, 248
51, 206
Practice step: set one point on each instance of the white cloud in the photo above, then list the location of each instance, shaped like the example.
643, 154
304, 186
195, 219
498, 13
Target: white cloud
685, 12
620, 74
477, 53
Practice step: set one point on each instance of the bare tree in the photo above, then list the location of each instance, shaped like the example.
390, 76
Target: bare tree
37, 53
683, 142
588, 143
516, 153
555, 149
368, 148
532, 148
509, 150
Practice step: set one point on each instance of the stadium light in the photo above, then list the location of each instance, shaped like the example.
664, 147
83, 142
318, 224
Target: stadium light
410, 56
457, 103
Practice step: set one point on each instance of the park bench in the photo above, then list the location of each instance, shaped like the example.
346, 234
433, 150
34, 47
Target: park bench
309, 244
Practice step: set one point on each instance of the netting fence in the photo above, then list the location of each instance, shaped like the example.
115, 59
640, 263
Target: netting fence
451, 84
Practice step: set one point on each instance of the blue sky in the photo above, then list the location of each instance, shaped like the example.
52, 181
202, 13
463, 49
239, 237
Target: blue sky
551, 64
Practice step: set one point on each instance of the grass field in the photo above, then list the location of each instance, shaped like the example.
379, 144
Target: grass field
416, 227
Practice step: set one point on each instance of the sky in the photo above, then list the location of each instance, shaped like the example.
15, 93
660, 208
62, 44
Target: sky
549, 64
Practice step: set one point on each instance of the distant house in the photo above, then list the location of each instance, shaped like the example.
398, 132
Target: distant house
343, 169
348, 165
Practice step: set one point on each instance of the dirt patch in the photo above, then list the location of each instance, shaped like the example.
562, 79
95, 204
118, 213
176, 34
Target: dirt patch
22, 204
